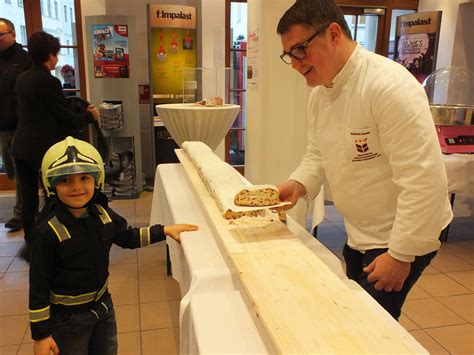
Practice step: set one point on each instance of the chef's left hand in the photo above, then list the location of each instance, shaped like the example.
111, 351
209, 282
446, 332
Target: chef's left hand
388, 273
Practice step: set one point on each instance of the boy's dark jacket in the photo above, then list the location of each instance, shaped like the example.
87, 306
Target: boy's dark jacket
79, 264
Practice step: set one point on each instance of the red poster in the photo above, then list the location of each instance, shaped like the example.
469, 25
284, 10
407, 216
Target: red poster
111, 57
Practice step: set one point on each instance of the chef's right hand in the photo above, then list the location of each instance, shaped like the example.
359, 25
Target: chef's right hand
291, 191
94, 111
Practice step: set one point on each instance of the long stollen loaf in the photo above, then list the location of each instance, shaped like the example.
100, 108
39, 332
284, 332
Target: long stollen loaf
227, 186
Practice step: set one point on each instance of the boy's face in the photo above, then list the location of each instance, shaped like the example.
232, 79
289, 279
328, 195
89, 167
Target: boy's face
76, 190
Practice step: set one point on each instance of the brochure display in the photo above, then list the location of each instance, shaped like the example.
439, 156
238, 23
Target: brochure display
416, 42
117, 101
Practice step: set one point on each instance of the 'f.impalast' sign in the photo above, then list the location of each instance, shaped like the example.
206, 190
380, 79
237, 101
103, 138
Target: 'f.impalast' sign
416, 42
172, 16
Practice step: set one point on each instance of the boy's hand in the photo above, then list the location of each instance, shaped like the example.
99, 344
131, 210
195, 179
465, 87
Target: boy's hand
45, 346
175, 230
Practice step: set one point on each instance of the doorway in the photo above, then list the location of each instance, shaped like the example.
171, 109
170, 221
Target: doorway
366, 25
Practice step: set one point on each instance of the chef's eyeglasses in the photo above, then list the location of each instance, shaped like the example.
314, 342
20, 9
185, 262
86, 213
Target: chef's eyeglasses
4, 33
299, 52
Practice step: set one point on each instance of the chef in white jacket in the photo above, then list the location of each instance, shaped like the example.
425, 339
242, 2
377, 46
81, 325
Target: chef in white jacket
373, 141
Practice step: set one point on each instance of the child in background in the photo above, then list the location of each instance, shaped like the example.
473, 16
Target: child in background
71, 310
69, 78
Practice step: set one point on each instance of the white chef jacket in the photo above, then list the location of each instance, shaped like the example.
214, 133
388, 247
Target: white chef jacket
372, 138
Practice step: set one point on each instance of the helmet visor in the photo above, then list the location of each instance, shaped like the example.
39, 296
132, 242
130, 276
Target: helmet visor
55, 175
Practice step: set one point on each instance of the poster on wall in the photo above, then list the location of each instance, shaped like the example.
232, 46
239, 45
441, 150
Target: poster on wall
253, 48
416, 42
172, 48
110, 46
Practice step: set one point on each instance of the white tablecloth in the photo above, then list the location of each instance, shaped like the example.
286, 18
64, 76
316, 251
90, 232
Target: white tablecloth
209, 287
188, 122
460, 171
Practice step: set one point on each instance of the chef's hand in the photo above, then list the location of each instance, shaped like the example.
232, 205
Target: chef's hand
291, 191
175, 230
388, 273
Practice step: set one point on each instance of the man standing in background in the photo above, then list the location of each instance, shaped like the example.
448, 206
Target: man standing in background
13, 61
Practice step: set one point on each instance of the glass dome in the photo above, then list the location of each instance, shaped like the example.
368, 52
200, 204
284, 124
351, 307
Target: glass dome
452, 86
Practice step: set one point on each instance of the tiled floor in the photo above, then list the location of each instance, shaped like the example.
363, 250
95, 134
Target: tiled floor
439, 311
146, 300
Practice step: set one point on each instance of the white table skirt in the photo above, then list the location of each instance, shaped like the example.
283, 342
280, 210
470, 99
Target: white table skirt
460, 171
209, 287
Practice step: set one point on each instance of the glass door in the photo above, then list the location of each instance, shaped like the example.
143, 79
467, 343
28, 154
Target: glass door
366, 25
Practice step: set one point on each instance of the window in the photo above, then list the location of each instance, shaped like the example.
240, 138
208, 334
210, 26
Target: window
20, 3
65, 13
71, 15
8, 1
56, 15
23, 36
49, 8
236, 59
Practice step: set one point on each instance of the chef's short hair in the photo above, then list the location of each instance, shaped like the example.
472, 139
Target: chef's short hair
313, 13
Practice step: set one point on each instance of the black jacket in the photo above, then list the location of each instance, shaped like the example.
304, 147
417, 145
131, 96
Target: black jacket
13, 61
77, 265
45, 117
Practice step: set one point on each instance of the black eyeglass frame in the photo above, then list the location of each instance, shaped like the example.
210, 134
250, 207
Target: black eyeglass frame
301, 47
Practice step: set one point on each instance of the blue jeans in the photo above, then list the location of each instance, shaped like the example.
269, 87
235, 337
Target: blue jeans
391, 301
92, 332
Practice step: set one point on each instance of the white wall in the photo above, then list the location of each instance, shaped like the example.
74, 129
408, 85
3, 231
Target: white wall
213, 41
137, 9
276, 111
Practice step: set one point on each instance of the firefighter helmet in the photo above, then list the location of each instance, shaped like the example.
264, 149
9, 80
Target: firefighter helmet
71, 156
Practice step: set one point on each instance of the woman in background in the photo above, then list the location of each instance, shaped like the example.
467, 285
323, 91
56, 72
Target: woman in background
45, 118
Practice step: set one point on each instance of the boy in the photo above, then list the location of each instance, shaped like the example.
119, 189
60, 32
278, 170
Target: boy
71, 310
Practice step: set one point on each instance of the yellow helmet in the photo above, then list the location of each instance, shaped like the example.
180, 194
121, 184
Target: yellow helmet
71, 156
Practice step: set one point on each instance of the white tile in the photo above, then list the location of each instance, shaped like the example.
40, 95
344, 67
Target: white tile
441, 285
463, 305
457, 339
428, 313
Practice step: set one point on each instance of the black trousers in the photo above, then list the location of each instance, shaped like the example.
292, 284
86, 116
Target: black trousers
392, 301
28, 174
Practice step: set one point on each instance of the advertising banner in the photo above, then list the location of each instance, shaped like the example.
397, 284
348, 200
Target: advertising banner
172, 48
111, 56
416, 42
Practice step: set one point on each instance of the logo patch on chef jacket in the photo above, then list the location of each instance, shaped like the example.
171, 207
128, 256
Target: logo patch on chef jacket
361, 142
361, 145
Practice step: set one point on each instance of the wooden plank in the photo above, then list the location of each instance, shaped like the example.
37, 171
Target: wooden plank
302, 304
305, 308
